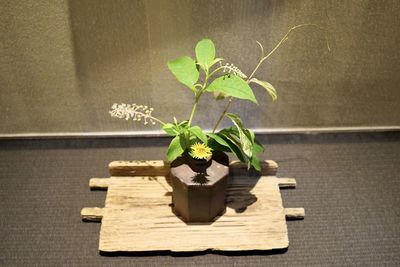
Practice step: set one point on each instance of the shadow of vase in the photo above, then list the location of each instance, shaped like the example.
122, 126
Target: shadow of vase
240, 184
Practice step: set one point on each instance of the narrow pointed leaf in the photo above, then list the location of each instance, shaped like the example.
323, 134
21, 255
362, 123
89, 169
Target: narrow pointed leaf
234, 146
270, 89
255, 162
246, 142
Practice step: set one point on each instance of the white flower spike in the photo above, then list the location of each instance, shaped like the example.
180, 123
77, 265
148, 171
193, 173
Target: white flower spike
134, 112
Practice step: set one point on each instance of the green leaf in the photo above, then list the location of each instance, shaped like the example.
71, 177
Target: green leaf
270, 89
218, 139
169, 128
205, 53
184, 124
234, 145
184, 69
174, 149
232, 85
246, 142
255, 162
185, 139
215, 146
198, 132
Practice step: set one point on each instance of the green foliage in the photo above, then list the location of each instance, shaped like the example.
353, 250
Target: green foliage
184, 137
205, 53
198, 132
245, 141
238, 140
232, 85
270, 89
185, 71
224, 81
175, 149
169, 128
229, 83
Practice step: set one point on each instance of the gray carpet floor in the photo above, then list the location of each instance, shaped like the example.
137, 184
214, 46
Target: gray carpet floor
349, 185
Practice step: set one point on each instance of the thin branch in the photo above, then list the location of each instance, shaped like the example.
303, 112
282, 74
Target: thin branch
263, 58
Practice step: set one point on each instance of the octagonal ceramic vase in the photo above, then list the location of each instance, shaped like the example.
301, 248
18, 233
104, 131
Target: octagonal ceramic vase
199, 187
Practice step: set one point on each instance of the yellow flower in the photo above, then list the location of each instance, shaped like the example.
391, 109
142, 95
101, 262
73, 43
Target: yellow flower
200, 151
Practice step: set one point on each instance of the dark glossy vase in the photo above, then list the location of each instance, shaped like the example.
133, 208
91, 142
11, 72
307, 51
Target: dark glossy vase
199, 187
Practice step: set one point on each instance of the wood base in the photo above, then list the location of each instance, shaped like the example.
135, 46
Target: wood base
137, 215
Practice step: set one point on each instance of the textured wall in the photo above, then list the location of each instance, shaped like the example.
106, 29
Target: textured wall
63, 63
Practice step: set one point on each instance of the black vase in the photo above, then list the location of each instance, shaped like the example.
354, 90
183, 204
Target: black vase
199, 187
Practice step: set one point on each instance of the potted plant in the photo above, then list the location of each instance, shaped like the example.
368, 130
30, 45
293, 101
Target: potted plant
199, 165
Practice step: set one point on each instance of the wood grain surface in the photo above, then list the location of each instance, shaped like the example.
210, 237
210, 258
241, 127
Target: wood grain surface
138, 216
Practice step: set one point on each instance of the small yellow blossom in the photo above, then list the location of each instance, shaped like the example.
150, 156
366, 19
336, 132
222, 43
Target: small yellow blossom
200, 151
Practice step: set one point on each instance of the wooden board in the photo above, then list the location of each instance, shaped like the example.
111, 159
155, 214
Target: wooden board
137, 215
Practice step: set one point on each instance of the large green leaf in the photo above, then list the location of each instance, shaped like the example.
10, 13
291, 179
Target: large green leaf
232, 85
205, 53
270, 89
174, 149
184, 69
198, 132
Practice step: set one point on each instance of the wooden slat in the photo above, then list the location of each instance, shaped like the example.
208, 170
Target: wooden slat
294, 213
99, 183
287, 182
92, 214
138, 167
160, 167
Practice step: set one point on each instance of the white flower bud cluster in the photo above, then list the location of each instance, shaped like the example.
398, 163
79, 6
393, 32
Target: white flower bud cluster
230, 68
136, 112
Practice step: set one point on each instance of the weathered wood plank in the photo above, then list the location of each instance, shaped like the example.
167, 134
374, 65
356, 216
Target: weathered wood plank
137, 217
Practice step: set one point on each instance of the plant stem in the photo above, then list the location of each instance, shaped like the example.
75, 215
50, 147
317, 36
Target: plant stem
223, 114
193, 110
216, 70
200, 92
157, 120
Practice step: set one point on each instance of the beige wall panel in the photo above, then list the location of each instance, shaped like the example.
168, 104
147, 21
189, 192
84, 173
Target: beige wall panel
63, 63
